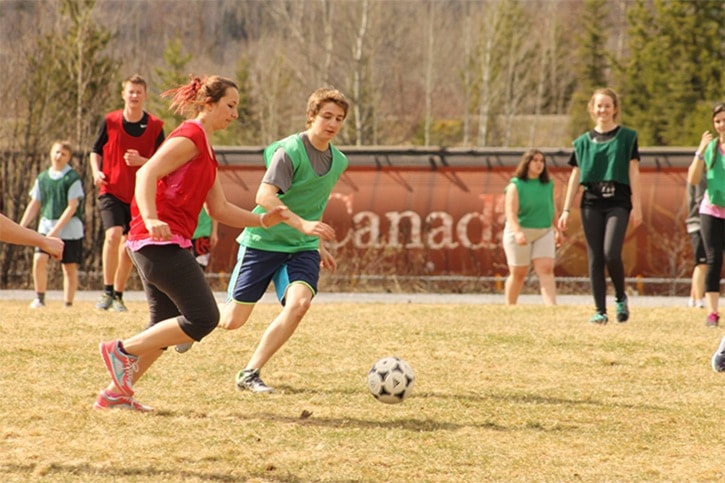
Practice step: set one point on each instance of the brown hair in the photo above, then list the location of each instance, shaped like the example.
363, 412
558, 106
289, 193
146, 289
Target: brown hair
719, 107
609, 92
522, 170
192, 97
66, 145
134, 79
322, 96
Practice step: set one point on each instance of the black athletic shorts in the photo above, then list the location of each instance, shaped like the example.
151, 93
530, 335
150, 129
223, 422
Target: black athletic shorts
72, 251
114, 212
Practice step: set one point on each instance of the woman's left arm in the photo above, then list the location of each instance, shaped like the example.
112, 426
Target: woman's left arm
220, 209
634, 185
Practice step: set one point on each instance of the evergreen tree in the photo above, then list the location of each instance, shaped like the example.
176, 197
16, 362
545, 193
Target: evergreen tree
591, 62
246, 130
63, 95
675, 69
174, 75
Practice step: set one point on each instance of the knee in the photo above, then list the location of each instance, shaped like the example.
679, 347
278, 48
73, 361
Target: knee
613, 257
230, 319
114, 235
298, 308
200, 327
518, 274
545, 271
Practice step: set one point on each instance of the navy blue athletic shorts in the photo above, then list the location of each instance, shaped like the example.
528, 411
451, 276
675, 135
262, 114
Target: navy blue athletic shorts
255, 269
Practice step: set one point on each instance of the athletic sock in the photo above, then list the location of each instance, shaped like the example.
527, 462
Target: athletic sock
40, 296
108, 290
117, 295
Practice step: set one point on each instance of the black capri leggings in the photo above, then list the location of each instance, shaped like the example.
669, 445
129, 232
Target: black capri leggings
713, 235
604, 229
175, 287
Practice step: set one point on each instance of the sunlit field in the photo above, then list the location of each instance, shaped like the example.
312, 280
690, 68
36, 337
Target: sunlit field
522, 393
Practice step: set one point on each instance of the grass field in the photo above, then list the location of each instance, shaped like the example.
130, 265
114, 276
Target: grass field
522, 393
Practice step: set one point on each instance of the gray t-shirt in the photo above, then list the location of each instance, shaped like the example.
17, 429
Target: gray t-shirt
280, 171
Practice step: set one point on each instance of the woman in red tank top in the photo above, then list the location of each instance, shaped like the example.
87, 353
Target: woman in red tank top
171, 189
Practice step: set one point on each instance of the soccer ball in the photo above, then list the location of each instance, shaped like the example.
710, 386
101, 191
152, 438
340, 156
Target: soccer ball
390, 380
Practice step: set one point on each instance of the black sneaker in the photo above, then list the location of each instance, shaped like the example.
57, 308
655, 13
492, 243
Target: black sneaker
599, 319
104, 301
248, 379
622, 310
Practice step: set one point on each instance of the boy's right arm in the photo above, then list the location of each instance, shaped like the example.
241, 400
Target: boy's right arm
98, 177
31, 211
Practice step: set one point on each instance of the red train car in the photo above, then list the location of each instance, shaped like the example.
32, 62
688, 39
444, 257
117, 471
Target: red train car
433, 211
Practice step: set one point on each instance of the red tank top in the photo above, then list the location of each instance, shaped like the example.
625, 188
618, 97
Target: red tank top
180, 194
120, 178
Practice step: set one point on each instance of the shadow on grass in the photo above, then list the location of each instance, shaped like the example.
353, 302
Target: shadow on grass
88, 472
527, 398
307, 418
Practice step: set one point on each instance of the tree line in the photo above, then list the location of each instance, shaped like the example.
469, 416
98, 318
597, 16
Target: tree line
418, 72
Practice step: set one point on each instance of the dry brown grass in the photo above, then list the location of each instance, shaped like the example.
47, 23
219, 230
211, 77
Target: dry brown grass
507, 394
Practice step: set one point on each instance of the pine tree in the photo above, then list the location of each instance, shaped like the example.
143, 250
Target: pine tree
591, 63
173, 76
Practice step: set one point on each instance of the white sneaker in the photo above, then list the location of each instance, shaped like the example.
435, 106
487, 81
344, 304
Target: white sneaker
37, 304
718, 358
700, 304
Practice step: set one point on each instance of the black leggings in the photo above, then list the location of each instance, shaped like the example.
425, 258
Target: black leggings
175, 287
713, 236
604, 229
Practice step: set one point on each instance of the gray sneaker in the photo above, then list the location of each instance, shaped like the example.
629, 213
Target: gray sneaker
181, 348
104, 302
118, 305
250, 380
718, 358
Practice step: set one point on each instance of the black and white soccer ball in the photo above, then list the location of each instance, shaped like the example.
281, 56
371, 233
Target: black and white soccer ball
391, 380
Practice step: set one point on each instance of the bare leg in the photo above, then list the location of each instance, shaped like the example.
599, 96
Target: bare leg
298, 300
148, 345
111, 244
123, 270
514, 283
234, 315
70, 281
544, 268
40, 272
698, 282
711, 302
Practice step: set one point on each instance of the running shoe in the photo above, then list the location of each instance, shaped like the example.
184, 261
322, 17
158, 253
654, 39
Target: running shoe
120, 365
37, 304
718, 358
250, 380
599, 318
104, 301
622, 310
713, 320
118, 305
106, 400
181, 348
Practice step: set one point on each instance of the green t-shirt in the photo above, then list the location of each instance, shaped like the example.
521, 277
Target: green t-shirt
536, 202
307, 197
203, 225
607, 160
715, 163
54, 193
